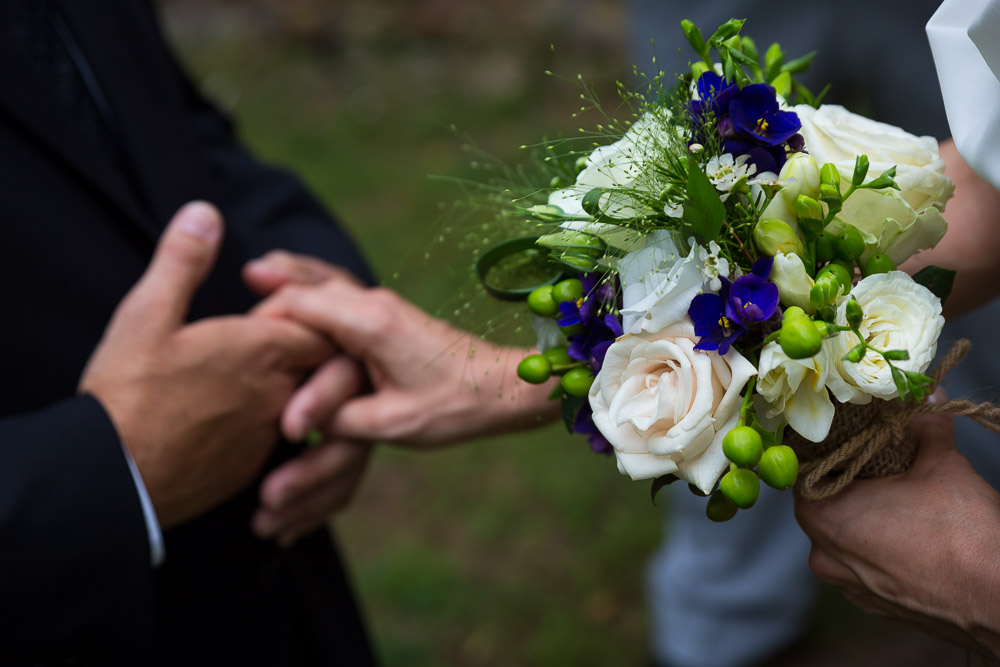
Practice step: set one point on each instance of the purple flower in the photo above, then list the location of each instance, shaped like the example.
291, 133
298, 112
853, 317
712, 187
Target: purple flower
746, 303
752, 299
713, 326
747, 119
584, 424
600, 330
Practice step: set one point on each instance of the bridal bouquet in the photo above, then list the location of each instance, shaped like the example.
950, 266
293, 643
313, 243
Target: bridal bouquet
717, 278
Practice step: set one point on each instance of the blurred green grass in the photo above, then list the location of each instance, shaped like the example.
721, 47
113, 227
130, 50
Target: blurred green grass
520, 550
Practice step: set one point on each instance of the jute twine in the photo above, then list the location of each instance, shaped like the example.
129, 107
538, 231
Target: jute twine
871, 440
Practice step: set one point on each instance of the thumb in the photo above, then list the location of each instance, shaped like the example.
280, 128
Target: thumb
184, 256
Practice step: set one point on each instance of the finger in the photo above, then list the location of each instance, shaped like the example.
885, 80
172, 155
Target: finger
289, 346
183, 258
315, 402
312, 512
277, 268
313, 469
360, 320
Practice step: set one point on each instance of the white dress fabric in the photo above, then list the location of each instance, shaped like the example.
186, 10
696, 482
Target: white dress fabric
965, 40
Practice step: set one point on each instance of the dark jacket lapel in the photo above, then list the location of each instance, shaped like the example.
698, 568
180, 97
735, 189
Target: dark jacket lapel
31, 106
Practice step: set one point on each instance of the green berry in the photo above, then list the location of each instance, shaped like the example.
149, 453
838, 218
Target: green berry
570, 289
779, 467
840, 272
879, 264
800, 339
558, 356
741, 486
849, 244
794, 313
573, 330
720, 508
743, 446
535, 369
577, 382
541, 302
824, 248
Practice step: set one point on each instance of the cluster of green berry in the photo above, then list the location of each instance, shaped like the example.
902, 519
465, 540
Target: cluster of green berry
777, 466
538, 368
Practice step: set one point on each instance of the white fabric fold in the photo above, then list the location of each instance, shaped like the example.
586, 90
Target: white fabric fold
963, 36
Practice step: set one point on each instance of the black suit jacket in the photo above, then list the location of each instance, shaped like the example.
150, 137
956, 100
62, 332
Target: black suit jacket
80, 221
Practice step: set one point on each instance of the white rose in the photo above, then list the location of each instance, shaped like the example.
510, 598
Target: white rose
899, 314
665, 406
834, 134
889, 225
618, 165
796, 390
658, 284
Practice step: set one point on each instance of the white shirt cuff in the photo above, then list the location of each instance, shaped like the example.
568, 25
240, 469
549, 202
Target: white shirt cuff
157, 550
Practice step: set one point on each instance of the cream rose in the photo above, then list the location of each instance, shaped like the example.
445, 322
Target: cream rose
834, 134
665, 406
899, 314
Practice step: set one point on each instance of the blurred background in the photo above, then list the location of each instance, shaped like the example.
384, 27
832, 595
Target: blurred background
522, 550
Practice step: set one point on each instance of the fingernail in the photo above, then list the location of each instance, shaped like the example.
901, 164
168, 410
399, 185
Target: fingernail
200, 219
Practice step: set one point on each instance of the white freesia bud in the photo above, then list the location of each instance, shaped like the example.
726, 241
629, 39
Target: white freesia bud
801, 177
794, 284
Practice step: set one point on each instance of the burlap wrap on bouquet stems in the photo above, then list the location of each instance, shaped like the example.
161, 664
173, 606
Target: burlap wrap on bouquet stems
872, 440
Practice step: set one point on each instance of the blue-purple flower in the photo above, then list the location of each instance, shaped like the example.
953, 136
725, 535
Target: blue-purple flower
747, 119
746, 303
584, 424
599, 330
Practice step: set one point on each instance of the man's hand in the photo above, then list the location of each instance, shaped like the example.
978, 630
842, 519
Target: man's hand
433, 384
197, 404
919, 547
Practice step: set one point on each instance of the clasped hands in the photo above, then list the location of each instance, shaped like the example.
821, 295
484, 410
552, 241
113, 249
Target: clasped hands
200, 406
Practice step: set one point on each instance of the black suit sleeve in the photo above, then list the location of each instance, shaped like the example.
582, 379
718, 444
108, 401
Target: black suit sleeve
73, 540
267, 208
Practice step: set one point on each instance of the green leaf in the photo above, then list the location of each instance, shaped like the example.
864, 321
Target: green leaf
799, 64
742, 57
592, 202
704, 212
659, 483
726, 30
899, 378
570, 406
920, 384
939, 281
774, 58
750, 48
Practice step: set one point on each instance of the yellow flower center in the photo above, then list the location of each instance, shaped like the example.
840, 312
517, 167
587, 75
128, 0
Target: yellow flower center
762, 125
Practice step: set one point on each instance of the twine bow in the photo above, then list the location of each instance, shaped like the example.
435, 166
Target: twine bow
872, 440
